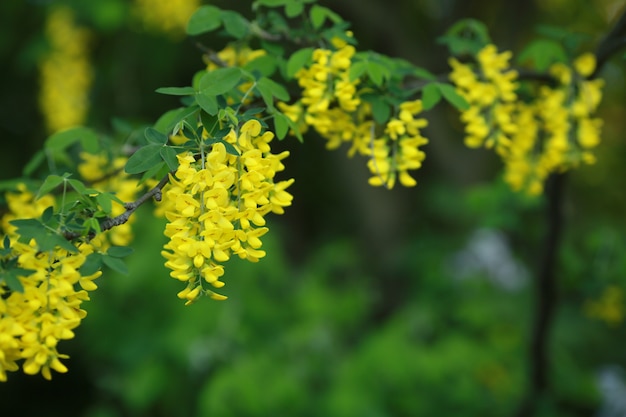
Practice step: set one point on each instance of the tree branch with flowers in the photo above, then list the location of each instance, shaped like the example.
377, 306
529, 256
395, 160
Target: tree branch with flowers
289, 70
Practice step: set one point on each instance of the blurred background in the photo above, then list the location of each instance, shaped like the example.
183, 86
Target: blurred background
410, 302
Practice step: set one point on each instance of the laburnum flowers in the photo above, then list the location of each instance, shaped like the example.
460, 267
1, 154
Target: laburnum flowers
216, 204
557, 131
490, 92
553, 132
332, 104
47, 307
66, 73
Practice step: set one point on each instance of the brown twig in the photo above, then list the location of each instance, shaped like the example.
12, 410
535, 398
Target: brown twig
130, 207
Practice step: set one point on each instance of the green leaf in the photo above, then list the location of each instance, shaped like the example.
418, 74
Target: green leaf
176, 91
219, 81
169, 156
542, 53
38, 158
265, 65
294, 8
92, 264
377, 72
467, 36
281, 124
380, 109
431, 95
12, 281
63, 139
92, 225
50, 240
105, 202
269, 89
50, 183
357, 70
143, 159
80, 188
452, 97
158, 171
155, 137
166, 122
319, 14
207, 103
235, 24
190, 115
115, 264
120, 251
230, 148
273, 3
209, 122
205, 19
298, 60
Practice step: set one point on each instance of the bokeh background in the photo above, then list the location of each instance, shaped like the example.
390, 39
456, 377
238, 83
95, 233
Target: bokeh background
411, 302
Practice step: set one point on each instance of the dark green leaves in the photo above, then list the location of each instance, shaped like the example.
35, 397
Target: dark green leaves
270, 89
219, 81
46, 238
298, 60
95, 261
209, 18
155, 137
176, 91
61, 140
319, 14
235, 24
433, 92
205, 19
466, 37
144, 159
542, 53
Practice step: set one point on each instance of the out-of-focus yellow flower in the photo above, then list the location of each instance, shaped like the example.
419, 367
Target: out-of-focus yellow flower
65, 72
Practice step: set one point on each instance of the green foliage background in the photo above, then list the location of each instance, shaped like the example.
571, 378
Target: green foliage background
357, 310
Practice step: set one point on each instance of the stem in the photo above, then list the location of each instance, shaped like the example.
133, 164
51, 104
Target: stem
545, 298
611, 44
111, 222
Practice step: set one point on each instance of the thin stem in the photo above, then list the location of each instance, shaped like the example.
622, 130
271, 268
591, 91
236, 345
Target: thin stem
111, 222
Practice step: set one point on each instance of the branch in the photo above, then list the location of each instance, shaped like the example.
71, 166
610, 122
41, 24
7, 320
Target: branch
611, 44
111, 222
545, 298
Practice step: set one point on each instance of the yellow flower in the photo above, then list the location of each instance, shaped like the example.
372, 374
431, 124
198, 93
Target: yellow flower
209, 224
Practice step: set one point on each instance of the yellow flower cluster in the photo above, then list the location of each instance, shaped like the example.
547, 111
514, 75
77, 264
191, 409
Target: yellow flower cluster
331, 103
491, 94
552, 133
235, 55
166, 16
33, 321
556, 131
66, 73
216, 205
109, 175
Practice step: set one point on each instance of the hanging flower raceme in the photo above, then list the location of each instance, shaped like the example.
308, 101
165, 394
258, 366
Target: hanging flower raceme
557, 131
65, 72
45, 307
216, 206
165, 16
331, 103
490, 91
398, 152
